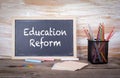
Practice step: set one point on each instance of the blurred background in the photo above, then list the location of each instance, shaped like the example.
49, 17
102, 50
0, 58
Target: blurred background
90, 12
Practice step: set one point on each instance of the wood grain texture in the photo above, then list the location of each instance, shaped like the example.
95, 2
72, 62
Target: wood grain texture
90, 12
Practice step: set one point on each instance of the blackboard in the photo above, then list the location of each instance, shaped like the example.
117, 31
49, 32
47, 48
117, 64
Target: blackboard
53, 37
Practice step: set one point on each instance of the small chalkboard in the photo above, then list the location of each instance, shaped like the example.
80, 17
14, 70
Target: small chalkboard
44, 37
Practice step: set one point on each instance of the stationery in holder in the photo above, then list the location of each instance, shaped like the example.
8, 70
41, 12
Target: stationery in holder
98, 55
98, 48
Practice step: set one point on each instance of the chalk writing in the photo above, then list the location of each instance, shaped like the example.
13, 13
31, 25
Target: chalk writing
49, 32
42, 33
41, 43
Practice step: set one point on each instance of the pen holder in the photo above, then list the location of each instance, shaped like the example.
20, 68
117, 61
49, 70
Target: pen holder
98, 52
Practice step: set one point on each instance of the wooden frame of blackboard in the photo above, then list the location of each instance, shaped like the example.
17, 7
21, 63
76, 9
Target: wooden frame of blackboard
46, 18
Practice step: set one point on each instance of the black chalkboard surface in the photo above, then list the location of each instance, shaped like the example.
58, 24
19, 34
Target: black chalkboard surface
44, 37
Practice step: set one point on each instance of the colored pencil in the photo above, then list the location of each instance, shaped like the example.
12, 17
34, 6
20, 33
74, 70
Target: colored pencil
110, 34
86, 32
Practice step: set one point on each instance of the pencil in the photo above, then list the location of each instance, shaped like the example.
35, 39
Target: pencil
98, 34
110, 33
103, 32
103, 57
91, 33
86, 32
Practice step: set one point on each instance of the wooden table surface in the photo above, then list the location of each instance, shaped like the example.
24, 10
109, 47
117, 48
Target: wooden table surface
43, 70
